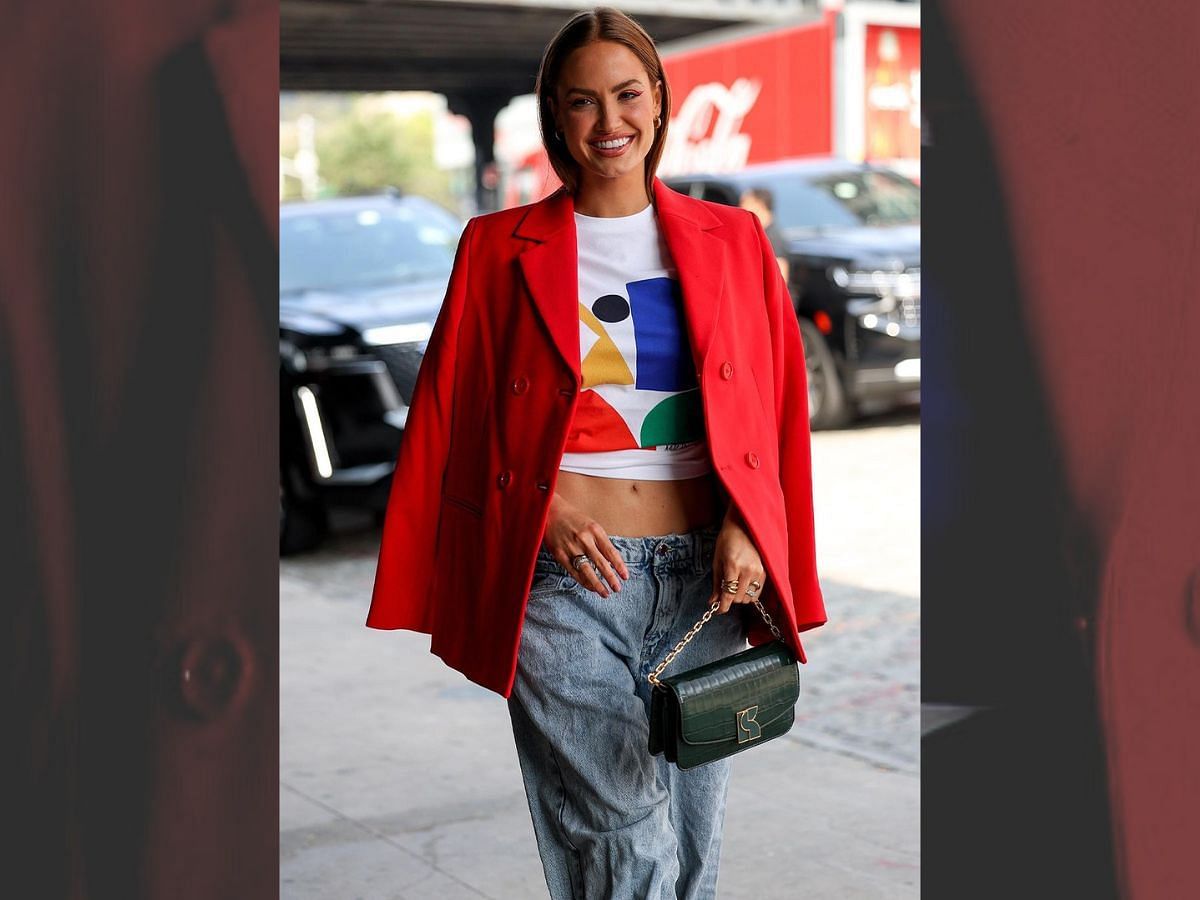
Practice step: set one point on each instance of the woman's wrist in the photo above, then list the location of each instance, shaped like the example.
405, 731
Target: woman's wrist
733, 516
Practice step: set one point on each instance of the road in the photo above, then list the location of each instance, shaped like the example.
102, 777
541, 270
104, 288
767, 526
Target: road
399, 780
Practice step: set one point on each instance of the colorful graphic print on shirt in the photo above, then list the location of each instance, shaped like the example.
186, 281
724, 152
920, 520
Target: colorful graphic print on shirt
639, 381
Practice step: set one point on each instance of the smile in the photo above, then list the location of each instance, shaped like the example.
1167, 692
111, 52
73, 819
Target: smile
615, 144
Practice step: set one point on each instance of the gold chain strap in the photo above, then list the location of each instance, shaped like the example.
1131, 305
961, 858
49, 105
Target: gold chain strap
695, 629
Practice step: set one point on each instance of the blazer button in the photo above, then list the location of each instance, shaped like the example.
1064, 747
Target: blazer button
521, 385
752, 459
504, 478
211, 672
543, 485
727, 370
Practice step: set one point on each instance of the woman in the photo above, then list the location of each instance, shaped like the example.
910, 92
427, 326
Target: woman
609, 433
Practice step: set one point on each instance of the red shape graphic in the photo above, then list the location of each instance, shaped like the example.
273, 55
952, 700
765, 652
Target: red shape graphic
597, 426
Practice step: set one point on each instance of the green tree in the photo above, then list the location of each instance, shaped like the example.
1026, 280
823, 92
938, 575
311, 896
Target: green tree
363, 153
370, 149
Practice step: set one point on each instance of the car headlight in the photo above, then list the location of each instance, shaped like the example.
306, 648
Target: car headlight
871, 306
411, 333
882, 282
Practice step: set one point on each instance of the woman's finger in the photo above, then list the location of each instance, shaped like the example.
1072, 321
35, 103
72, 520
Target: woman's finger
583, 573
604, 569
728, 592
612, 554
755, 581
586, 573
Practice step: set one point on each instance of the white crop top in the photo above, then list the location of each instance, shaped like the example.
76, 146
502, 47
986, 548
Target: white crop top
639, 413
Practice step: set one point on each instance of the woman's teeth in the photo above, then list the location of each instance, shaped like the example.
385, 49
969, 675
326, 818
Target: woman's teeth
613, 145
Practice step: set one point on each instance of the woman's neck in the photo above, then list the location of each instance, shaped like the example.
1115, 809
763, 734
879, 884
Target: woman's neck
607, 198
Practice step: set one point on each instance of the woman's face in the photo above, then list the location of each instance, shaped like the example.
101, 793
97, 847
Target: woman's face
605, 108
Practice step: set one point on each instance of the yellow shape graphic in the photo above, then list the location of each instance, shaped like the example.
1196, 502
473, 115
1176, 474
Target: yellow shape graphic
603, 363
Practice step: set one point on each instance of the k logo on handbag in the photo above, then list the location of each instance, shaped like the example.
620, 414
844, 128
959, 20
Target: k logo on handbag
747, 728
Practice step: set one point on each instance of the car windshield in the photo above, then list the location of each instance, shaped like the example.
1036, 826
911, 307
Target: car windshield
399, 243
844, 200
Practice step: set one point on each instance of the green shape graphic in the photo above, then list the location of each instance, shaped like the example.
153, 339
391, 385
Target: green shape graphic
676, 420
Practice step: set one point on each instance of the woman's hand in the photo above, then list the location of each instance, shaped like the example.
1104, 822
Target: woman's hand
569, 533
735, 558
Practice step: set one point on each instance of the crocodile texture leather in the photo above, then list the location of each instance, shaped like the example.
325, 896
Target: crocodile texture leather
725, 707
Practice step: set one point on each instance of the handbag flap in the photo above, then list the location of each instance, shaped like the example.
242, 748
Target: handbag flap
760, 686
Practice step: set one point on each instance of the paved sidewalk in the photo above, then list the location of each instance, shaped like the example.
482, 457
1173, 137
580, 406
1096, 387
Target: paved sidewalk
400, 781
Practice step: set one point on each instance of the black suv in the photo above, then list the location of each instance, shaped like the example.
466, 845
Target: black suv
854, 254
361, 281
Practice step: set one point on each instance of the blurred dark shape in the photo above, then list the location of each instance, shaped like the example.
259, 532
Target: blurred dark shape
1056, 455
138, 264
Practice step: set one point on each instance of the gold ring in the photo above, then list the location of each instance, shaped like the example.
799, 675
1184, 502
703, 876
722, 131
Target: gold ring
756, 584
730, 587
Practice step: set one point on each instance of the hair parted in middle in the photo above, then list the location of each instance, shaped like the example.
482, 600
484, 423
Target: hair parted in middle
600, 24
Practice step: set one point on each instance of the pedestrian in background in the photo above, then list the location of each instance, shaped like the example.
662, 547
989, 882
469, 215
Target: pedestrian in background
761, 202
609, 434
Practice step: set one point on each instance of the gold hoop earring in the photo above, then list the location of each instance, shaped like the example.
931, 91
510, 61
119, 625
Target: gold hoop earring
558, 135
657, 121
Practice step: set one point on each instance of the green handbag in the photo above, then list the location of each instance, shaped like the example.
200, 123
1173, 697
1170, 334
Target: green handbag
726, 706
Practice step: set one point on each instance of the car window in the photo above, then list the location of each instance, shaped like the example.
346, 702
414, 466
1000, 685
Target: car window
393, 244
719, 193
688, 188
844, 199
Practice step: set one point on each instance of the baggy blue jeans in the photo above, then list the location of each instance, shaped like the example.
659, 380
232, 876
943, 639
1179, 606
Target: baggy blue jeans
613, 822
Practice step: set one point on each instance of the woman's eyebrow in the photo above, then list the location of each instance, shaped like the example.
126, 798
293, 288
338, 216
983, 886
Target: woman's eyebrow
623, 84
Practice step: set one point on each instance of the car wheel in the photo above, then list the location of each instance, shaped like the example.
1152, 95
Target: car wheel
828, 405
302, 524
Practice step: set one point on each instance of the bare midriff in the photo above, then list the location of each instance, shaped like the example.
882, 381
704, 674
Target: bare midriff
631, 508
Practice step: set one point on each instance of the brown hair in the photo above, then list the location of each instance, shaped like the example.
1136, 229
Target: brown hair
600, 24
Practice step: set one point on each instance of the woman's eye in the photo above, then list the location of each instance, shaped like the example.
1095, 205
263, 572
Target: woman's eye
580, 102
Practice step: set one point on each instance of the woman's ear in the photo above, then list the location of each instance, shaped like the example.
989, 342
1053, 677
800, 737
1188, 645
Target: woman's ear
658, 97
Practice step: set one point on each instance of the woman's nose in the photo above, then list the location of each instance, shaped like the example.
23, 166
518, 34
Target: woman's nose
610, 118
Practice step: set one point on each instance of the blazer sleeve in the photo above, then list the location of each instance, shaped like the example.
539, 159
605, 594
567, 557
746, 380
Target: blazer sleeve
795, 448
406, 554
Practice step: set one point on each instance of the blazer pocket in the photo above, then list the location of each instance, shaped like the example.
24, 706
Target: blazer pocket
762, 401
463, 504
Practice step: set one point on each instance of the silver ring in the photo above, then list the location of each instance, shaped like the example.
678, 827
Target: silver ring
580, 560
751, 592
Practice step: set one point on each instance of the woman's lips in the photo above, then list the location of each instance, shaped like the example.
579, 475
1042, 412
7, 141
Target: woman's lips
609, 152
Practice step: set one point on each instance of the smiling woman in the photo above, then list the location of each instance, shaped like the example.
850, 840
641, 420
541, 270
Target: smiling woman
603, 106
668, 478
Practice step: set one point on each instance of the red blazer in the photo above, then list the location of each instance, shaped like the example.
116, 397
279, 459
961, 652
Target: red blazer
496, 395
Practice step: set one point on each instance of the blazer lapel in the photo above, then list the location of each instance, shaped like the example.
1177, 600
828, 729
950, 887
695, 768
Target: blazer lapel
550, 268
699, 255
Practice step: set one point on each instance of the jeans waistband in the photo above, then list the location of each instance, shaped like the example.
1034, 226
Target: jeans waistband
688, 550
